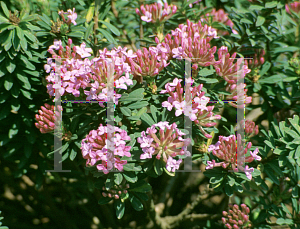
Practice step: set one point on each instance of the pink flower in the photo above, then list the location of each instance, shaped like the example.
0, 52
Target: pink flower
199, 112
82, 51
226, 69
166, 143
147, 64
248, 172
72, 16
47, 118
237, 217
154, 13
94, 148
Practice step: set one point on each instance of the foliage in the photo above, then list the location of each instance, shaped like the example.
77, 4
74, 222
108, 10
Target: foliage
146, 190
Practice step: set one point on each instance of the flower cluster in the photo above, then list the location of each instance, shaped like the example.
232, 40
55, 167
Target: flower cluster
200, 113
47, 118
155, 13
191, 40
227, 69
222, 17
116, 191
236, 217
74, 70
148, 63
250, 128
166, 144
258, 59
72, 16
93, 75
94, 148
227, 150
239, 94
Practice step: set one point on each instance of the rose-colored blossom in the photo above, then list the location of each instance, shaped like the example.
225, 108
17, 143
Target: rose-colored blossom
239, 94
227, 150
236, 217
165, 144
249, 127
155, 13
47, 117
191, 41
199, 112
94, 148
227, 69
72, 16
147, 63
257, 58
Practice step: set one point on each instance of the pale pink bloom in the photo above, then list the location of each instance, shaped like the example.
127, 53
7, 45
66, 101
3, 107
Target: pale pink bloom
165, 144
72, 16
248, 172
83, 51
94, 149
147, 17
254, 155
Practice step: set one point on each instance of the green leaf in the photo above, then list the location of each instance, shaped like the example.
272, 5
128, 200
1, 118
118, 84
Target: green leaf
138, 105
153, 110
265, 68
118, 178
287, 49
256, 7
158, 167
126, 111
271, 4
208, 80
8, 83
15, 104
244, 20
111, 27
73, 154
268, 143
89, 31
10, 66
271, 175
145, 117
143, 188
27, 94
136, 203
5, 10
24, 80
206, 72
228, 190
120, 208
260, 21
130, 176
282, 221
108, 36
104, 200
77, 34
